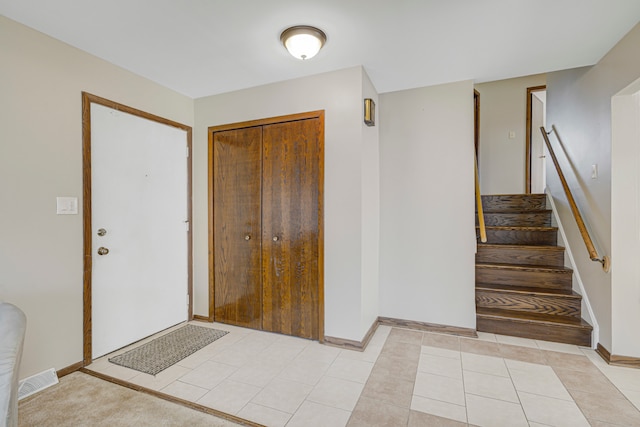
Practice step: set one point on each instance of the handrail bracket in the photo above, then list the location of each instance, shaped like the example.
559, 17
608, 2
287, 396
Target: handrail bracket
605, 261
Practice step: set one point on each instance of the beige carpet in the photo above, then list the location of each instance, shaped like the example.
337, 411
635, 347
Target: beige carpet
82, 400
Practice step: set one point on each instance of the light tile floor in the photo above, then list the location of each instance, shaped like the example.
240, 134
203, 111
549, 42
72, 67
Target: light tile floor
403, 378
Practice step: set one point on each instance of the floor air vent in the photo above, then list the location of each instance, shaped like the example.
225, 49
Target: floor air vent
37, 382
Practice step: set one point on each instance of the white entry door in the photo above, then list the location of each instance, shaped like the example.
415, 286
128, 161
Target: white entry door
139, 211
538, 148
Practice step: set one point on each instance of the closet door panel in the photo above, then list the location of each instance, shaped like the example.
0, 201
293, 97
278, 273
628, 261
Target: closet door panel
237, 181
290, 228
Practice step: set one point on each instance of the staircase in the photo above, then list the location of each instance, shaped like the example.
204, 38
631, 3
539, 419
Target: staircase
522, 286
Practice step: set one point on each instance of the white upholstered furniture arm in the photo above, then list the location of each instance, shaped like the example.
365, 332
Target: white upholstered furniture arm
13, 324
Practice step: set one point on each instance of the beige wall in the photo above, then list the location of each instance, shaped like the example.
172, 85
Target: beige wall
579, 105
370, 211
427, 236
350, 174
502, 110
40, 158
397, 243
41, 81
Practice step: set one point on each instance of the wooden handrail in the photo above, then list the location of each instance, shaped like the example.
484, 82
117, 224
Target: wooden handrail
483, 229
593, 253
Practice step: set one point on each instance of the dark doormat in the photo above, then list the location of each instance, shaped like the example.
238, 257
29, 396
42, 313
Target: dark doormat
162, 352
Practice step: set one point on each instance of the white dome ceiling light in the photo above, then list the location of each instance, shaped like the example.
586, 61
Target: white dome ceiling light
302, 41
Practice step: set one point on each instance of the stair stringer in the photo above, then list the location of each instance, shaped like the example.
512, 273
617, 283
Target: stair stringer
578, 285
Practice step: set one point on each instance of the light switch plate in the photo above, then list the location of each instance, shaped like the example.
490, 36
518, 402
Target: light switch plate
67, 205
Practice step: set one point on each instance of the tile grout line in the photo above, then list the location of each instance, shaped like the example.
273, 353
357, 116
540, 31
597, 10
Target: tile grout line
459, 352
595, 392
415, 375
464, 389
385, 344
603, 372
401, 337
516, 390
572, 398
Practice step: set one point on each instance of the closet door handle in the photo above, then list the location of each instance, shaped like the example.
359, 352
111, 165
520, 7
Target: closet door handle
247, 237
275, 238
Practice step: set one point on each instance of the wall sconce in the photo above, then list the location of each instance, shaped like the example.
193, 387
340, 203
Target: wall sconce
302, 41
369, 112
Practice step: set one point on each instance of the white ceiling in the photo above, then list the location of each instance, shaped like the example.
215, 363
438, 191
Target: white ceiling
205, 47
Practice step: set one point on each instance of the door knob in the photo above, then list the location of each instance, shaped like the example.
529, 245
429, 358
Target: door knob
275, 238
101, 231
541, 157
102, 250
247, 237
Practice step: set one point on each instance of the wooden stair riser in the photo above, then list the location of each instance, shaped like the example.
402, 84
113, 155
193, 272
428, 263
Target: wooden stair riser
522, 286
519, 255
522, 237
529, 219
525, 278
547, 332
557, 305
515, 202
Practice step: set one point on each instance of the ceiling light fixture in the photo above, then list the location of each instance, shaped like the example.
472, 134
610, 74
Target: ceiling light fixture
302, 41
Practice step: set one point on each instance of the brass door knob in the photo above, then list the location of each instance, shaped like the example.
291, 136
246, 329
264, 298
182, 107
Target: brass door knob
102, 250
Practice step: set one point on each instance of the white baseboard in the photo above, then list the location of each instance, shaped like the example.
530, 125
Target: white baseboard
595, 335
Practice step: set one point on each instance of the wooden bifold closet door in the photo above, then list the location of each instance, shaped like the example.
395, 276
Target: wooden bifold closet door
237, 159
267, 226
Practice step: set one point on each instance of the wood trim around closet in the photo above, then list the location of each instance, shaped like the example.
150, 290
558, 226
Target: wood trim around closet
319, 114
87, 100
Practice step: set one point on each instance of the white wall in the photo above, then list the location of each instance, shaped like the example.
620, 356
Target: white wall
349, 158
503, 109
579, 105
427, 237
41, 81
625, 226
370, 211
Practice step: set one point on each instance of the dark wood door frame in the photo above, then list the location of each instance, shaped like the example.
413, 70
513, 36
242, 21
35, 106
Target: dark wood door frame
87, 100
261, 122
529, 133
